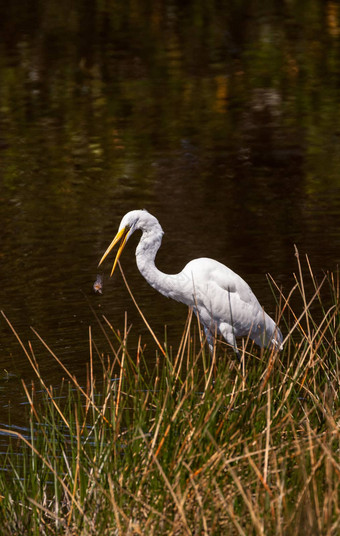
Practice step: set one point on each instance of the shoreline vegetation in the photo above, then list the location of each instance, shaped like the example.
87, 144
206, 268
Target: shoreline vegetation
192, 443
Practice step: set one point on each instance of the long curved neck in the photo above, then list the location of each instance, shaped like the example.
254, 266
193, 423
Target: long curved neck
146, 252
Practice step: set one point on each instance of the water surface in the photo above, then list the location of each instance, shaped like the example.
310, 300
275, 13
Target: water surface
220, 118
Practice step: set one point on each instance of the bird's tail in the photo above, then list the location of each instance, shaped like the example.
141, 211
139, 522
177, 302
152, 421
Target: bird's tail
277, 340
268, 333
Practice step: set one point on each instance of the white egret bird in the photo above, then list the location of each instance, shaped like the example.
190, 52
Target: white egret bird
222, 300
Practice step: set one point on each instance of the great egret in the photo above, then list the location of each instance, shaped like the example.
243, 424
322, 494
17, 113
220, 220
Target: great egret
222, 300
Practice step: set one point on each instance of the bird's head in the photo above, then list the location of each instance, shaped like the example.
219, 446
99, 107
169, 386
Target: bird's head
136, 219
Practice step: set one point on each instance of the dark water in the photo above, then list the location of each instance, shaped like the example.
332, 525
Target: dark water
219, 117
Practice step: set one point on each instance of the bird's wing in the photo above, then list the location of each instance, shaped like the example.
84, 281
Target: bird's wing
229, 281
222, 296
206, 271
223, 299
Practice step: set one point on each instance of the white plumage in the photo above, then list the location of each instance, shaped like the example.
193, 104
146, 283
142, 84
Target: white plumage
222, 300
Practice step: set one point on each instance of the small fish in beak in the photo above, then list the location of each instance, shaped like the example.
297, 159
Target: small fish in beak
98, 284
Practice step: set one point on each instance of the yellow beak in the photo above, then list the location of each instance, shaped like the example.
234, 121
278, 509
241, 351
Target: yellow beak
120, 235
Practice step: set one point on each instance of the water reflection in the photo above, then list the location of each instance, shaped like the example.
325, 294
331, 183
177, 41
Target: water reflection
218, 118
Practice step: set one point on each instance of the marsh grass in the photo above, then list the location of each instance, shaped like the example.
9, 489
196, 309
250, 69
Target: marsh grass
193, 444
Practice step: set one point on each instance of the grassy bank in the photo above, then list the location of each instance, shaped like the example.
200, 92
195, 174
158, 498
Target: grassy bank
193, 444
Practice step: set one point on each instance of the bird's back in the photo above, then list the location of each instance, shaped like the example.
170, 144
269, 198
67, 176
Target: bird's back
207, 273
223, 298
